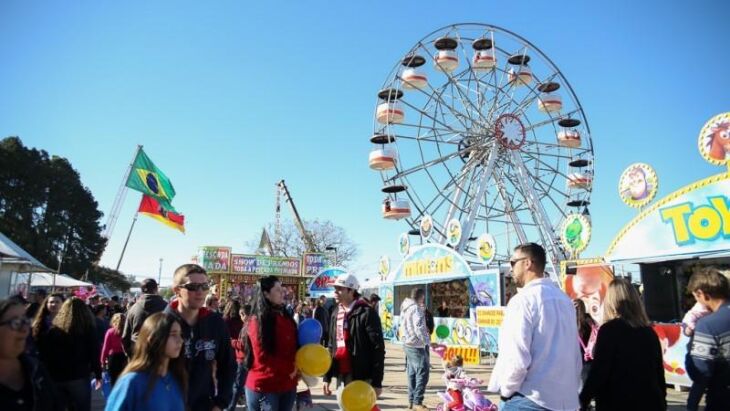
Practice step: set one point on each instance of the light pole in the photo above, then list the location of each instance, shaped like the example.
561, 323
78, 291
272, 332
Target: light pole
331, 248
159, 274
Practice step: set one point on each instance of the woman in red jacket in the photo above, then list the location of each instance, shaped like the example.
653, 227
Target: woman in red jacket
272, 379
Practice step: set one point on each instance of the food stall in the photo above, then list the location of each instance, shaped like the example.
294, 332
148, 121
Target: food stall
472, 299
237, 274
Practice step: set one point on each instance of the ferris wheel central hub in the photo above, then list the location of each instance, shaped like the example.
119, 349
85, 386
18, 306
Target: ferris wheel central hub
510, 131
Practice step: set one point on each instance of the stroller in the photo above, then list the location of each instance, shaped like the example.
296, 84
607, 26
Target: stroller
473, 399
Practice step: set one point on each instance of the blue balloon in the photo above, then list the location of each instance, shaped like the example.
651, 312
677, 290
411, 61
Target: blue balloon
310, 332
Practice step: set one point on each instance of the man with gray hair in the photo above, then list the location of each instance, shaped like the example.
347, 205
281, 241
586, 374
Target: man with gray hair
415, 344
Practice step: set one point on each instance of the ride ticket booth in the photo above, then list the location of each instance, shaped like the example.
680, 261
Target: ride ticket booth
466, 305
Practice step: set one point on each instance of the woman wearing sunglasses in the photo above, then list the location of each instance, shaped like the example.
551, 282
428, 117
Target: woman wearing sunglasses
24, 382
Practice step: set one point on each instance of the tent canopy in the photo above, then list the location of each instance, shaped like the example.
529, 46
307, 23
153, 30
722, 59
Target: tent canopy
62, 280
14, 258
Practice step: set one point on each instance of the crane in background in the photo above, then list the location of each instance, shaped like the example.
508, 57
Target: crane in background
281, 189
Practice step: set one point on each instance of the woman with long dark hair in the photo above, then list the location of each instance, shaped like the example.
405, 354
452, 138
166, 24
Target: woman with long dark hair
43, 319
627, 371
155, 378
232, 318
272, 379
70, 351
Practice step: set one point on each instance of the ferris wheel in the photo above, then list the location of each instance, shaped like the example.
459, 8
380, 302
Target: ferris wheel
476, 124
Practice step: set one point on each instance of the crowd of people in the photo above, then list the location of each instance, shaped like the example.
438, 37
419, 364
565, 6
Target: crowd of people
191, 354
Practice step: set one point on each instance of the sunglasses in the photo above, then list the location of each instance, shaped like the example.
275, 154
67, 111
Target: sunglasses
513, 262
196, 286
16, 324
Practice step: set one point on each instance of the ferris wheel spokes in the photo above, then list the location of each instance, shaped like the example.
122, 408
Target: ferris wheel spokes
539, 215
477, 199
512, 216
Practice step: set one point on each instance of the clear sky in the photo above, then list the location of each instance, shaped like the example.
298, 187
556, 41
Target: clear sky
228, 97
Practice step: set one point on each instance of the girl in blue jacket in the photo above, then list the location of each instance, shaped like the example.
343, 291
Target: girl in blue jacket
155, 379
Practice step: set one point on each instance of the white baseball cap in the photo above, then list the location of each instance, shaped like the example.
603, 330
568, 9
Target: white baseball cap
347, 281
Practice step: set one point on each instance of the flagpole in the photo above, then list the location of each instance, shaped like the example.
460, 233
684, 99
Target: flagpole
111, 221
127, 241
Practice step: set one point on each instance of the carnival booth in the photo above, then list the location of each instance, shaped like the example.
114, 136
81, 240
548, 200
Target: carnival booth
469, 302
237, 274
686, 230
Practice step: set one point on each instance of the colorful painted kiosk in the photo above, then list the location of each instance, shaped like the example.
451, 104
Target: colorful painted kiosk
472, 301
686, 230
237, 274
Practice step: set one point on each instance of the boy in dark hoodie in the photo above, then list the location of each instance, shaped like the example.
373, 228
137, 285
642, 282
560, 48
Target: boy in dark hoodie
149, 303
207, 344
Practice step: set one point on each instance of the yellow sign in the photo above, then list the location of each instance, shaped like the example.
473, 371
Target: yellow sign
490, 316
704, 222
469, 353
428, 266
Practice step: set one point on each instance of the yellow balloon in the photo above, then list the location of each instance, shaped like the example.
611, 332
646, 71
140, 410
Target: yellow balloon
313, 359
358, 396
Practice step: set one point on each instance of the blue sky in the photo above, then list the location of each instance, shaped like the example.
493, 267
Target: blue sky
229, 97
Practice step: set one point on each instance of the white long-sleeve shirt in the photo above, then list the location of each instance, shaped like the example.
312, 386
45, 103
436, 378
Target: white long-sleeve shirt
539, 355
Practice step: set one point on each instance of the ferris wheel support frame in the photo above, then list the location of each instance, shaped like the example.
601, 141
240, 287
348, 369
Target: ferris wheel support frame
477, 199
539, 215
521, 236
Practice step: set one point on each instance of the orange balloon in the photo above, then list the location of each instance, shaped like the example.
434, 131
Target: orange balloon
358, 396
313, 359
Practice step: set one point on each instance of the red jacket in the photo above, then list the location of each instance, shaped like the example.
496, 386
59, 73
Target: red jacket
273, 373
239, 345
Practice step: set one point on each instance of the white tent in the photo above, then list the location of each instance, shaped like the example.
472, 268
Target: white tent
62, 280
14, 259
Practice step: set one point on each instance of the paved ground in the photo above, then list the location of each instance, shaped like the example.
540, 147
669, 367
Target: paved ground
395, 391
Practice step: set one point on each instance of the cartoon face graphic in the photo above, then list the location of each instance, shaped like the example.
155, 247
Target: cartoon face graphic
462, 332
572, 233
720, 141
637, 185
404, 244
454, 232
486, 252
482, 296
426, 227
589, 284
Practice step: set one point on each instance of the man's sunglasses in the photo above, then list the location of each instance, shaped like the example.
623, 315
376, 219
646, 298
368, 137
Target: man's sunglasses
16, 324
513, 262
196, 286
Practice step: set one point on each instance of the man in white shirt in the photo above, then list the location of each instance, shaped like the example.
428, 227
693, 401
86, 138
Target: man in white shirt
539, 363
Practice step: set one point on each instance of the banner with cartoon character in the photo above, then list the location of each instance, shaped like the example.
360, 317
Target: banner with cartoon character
485, 289
692, 221
455, 331
489, 321
323, 283
386, 312
674, 349
589, 284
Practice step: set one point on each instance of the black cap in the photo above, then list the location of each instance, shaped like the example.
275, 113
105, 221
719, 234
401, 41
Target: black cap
374, 297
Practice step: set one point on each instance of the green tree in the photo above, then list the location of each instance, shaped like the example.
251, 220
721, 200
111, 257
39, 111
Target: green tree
328, 238
46, 209
110, 277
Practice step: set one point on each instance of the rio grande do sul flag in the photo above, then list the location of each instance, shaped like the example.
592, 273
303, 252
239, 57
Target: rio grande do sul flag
152, 208
146, 178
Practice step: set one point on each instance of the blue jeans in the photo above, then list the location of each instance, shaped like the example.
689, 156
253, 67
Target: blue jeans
238, 385
261, 401
519, 402
695, 395
417, 367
